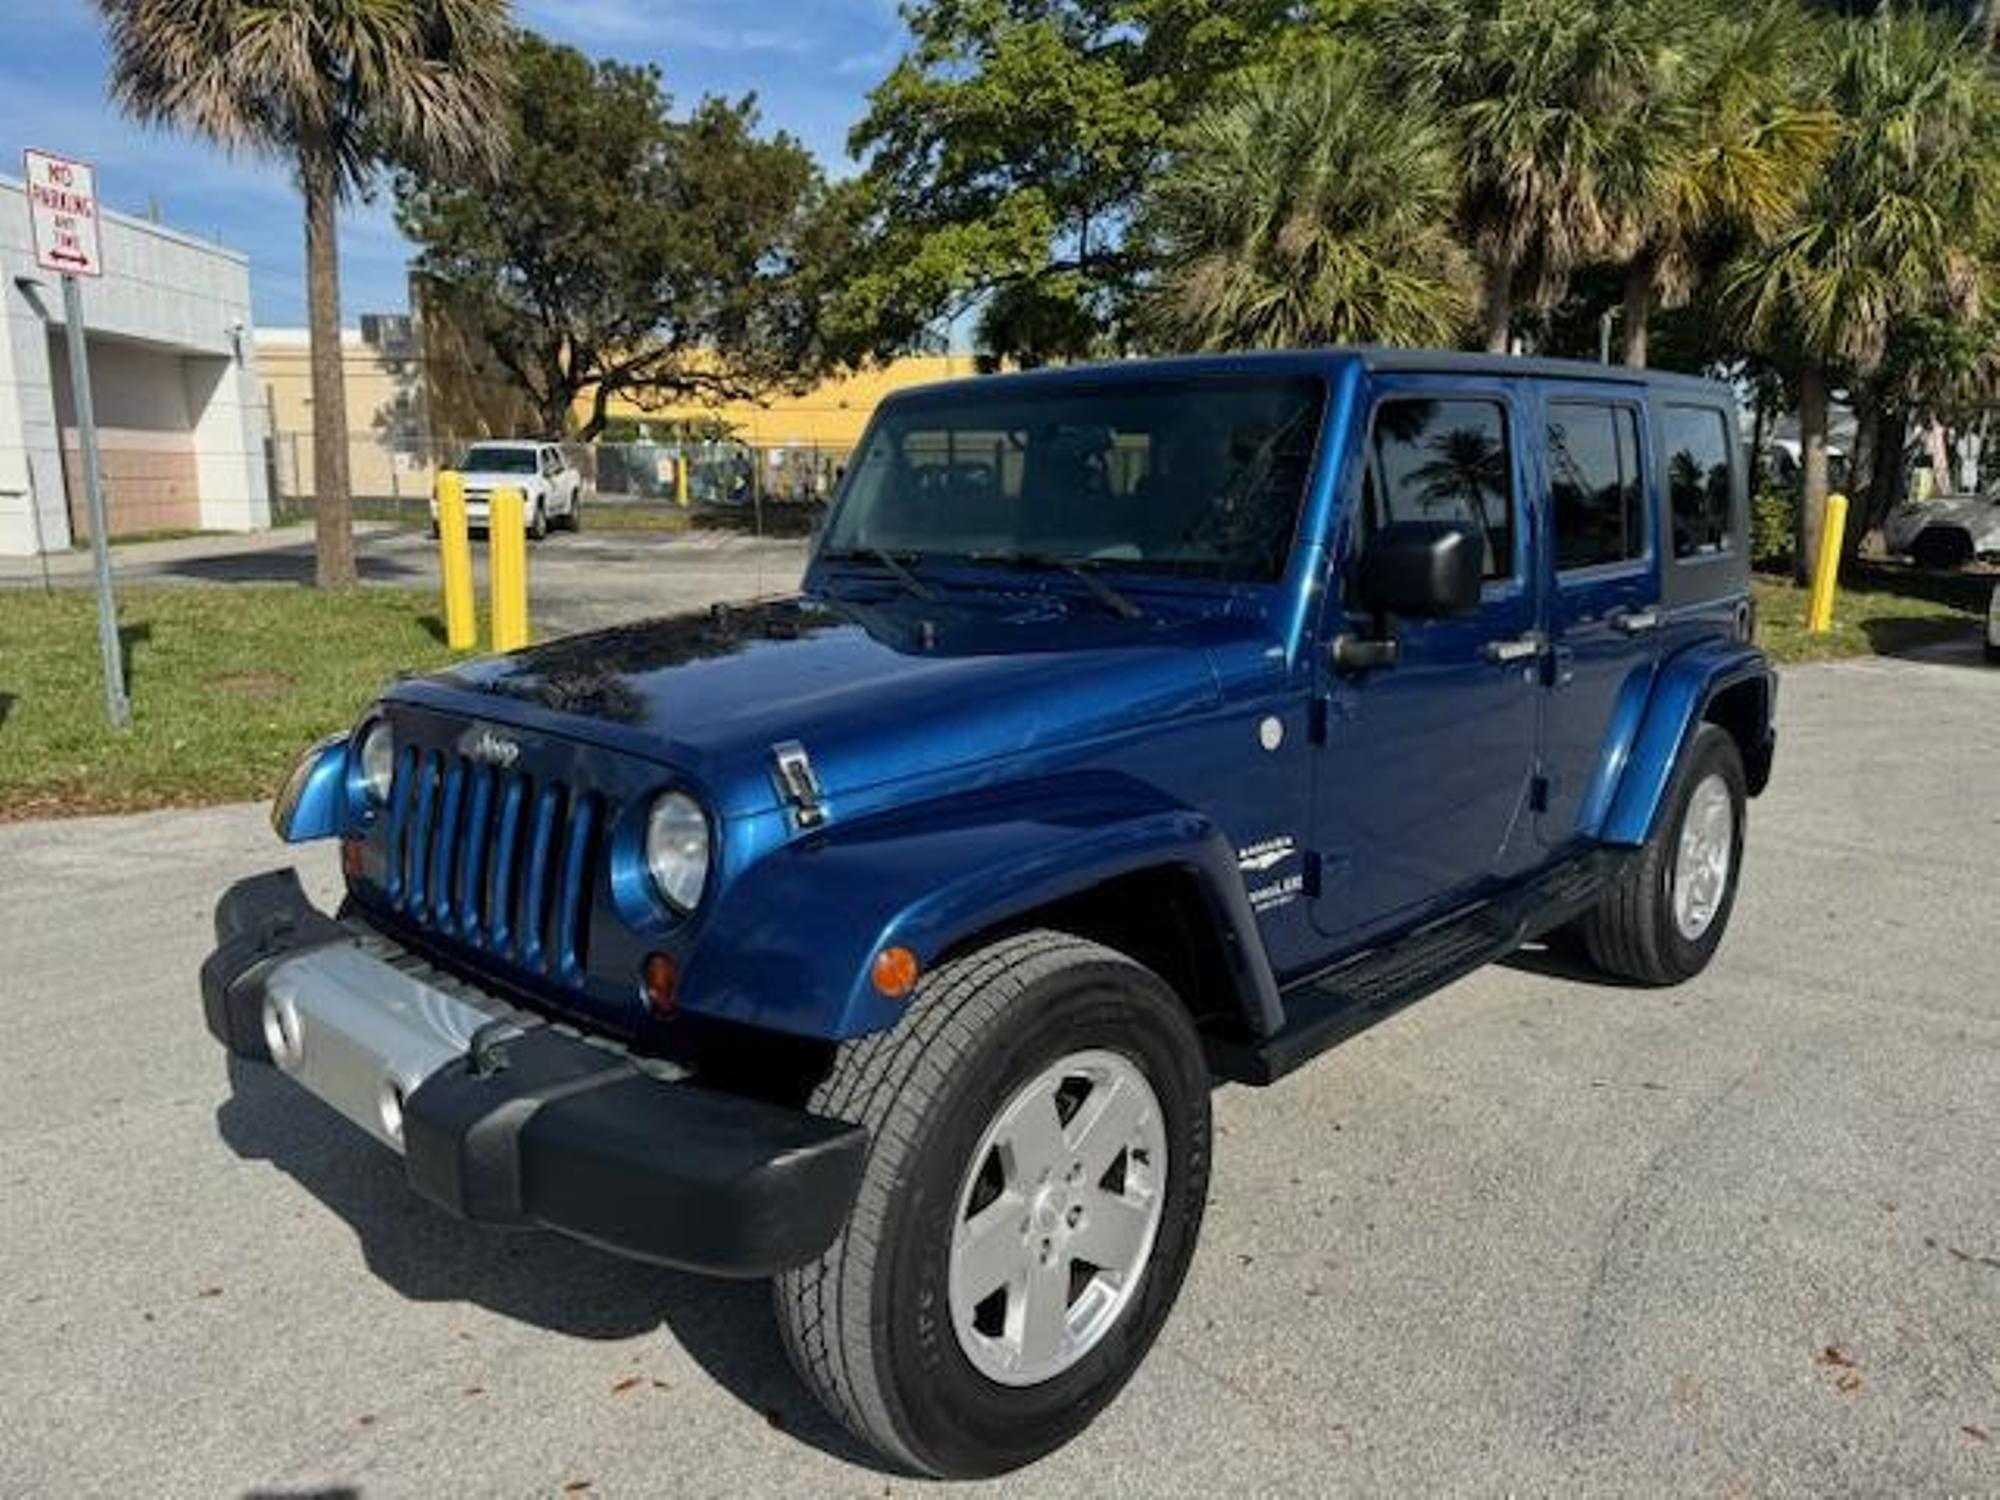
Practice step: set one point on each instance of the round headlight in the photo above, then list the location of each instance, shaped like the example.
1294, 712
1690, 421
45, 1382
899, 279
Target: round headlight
378, 760
677, 849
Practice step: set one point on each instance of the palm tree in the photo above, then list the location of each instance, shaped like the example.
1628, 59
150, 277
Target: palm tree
1305, 210
1900, 225
1724, 145
333, 87
1543, 95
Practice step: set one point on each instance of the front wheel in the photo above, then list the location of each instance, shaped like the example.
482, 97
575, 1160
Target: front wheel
1664, 917
538, 522
1037, 1170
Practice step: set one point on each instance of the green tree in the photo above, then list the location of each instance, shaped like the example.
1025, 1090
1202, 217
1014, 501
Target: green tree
1900, 226
1726, 141
623, 251
331, 87
1545, 98
1306, 209
1005, 154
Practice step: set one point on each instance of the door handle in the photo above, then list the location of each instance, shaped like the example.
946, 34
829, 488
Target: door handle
1521, 648
1637, 621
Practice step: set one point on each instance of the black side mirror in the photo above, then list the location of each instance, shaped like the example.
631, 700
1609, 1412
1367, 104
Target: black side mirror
1424, 570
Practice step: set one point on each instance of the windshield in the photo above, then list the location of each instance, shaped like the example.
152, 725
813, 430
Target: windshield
500, 460
1202, 477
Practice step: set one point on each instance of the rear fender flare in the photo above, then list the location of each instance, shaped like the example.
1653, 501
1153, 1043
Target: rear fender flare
1682, 691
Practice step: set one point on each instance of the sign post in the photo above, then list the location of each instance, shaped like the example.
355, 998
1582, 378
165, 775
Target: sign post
62, 205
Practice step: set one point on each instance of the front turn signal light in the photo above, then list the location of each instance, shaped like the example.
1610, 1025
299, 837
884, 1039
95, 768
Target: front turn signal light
894, 973
661, 978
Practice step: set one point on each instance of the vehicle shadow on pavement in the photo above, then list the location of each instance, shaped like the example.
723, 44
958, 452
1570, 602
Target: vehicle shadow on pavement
534, 1277
1559, 956
285, 565
1941, 642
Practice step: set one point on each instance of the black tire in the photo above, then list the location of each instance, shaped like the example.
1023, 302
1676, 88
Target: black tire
1632, 932
573, 518
1942, 547
868, 1326
538, 523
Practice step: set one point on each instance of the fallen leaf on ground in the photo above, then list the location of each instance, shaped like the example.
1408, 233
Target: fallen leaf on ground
1831, 1355
620, 1387
1977, 1434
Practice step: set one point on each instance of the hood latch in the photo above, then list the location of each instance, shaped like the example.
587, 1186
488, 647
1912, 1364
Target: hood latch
798, 784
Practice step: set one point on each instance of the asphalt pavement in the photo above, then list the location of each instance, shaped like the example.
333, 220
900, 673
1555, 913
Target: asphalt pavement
575, 581
1535, 1235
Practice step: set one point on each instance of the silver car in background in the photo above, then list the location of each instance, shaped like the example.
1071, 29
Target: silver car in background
1947, 531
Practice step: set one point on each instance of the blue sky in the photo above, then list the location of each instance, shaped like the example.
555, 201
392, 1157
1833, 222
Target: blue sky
811, 62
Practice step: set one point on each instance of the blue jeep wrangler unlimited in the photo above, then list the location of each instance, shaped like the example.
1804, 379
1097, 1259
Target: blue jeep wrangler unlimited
1134, 727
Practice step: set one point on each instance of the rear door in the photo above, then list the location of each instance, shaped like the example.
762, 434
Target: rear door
1603, 586
1420, 785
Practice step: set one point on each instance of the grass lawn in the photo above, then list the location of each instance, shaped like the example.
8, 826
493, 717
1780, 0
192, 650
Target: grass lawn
228, 685
1880, 610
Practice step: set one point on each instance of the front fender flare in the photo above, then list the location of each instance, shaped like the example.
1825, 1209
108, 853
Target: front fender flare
790, 943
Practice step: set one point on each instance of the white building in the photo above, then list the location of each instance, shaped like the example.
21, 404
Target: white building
179, 416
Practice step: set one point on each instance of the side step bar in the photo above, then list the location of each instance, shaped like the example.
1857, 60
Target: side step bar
1368, 988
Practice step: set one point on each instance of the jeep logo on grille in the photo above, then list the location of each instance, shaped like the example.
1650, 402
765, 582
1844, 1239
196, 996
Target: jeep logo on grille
489, 747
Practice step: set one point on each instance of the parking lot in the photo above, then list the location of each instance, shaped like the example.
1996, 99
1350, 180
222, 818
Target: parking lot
1535, 1234
575, 582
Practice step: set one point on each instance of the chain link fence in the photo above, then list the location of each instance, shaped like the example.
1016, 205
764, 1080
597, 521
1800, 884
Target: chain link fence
758, 489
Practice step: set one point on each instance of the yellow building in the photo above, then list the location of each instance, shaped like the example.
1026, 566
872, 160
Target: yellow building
830, 416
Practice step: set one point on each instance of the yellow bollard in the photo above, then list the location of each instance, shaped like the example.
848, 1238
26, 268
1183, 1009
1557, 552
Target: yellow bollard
507, 556
681, 479
1832, 530
461, 622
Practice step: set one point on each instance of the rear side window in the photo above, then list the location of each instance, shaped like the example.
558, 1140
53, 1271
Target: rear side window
1446, 461
1698, 480
1596, 499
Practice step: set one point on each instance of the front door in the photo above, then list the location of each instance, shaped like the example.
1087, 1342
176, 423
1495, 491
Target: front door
1603, 590
1425, 769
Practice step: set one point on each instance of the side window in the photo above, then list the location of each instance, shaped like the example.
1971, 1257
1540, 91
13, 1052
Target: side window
1445, 461
1698, 483
1597, 502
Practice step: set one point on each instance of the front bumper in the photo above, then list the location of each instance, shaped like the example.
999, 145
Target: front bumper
503, 1118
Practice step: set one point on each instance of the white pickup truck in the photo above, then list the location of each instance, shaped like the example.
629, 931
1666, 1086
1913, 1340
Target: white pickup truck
550, 485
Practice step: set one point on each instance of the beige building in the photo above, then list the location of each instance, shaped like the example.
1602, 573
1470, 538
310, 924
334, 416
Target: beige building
388, 452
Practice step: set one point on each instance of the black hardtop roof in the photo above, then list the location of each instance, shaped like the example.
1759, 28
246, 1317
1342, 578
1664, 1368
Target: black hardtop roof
1326, 361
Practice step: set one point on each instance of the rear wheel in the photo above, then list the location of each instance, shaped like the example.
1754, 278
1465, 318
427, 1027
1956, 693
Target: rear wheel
1663, 919
1038, 1166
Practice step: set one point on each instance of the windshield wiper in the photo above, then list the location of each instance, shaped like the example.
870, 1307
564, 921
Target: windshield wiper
1103, 592
897, 567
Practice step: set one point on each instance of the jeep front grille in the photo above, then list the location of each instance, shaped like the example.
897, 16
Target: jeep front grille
493, 858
